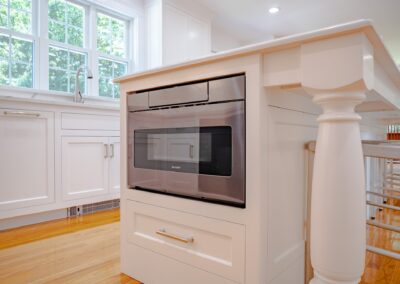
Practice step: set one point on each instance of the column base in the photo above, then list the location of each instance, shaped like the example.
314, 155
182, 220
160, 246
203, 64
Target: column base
318, 279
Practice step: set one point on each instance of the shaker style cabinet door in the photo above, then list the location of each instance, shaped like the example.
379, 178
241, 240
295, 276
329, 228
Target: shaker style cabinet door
84, 166
26, 158
114, 160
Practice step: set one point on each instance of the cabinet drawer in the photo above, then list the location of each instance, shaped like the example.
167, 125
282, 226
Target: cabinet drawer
209, 244
77, 121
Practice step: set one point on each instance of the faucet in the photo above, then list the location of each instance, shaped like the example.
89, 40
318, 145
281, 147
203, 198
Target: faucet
77, 94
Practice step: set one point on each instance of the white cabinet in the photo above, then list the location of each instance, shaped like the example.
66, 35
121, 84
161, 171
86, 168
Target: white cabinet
114, 161
209, 244
26, 158
90, 166
183, 35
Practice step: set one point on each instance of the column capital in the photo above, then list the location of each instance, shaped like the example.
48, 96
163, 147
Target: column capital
342, 62
339, 106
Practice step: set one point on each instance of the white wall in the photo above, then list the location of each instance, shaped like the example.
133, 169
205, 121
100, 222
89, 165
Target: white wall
221, 40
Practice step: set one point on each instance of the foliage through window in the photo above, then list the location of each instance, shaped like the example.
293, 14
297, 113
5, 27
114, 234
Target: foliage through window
16, 15
109, 69
66, 22
110, 35
111, 42
69, 42
16, 61
63, 65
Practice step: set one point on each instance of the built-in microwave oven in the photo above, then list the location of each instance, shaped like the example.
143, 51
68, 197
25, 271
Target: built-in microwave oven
188, 140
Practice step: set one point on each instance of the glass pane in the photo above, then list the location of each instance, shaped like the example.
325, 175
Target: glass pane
21, 75
4, 65
76, 60
56, 31
75, 36
116, 91
72, 79
21, 50
75, 15
21, 4
20, 21
119, 69
58, 58
3, 17
105, 88
58, 80
105, 68
118, 43
110, 35
103, 42
57, 10
103, 23
4, 47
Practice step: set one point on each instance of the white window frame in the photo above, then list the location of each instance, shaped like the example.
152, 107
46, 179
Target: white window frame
42, 43
128, 59
31, 37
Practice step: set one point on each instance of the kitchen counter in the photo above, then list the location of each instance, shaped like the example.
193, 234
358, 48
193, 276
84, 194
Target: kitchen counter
42, 97
335, 85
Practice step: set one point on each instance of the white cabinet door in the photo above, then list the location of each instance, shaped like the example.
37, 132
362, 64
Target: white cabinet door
174, 36
198, 41
26, 158
114, 163
84, 167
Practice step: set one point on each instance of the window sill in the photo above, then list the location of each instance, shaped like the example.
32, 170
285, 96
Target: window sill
55, 97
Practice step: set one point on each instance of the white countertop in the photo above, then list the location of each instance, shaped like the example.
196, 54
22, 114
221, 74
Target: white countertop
36, 96
387, 94
361, 25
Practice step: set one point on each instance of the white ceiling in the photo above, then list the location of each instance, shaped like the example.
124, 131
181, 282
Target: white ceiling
249, 20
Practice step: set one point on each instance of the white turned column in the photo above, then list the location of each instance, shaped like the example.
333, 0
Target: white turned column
338, 230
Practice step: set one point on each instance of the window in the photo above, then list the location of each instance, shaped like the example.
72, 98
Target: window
16, 15
63, 65
66, 22
16, 43
110, 35
16, 61
111, 44
46, 52
109, 69
66, 30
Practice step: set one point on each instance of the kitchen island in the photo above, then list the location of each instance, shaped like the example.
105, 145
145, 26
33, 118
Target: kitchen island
334, 85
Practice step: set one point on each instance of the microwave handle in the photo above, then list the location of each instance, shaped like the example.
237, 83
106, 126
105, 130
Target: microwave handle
191, 151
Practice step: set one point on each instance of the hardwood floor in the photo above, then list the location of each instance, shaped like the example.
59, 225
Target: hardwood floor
86, 250
381, 269
85, 256
26, 234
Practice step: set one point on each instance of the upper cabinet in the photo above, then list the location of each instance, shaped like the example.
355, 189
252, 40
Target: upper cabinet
175, 34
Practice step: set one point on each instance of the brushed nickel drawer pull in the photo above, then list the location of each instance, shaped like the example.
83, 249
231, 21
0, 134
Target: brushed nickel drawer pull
112, 150
21, 113
163, 233
105, 151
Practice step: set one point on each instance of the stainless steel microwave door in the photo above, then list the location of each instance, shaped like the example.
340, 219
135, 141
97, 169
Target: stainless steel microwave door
194, 151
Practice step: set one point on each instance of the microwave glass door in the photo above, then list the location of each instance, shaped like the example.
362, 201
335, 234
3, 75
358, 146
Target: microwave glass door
199, 150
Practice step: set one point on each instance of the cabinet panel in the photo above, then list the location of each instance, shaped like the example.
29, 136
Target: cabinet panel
80, 121
197, 37
84, 166
27, 158
174, 36
209, 244
114, 169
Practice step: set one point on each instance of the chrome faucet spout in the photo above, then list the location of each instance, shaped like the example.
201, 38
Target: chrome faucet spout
77, 94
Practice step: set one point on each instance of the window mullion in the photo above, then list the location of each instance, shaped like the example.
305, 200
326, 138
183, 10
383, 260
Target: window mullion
10, 60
